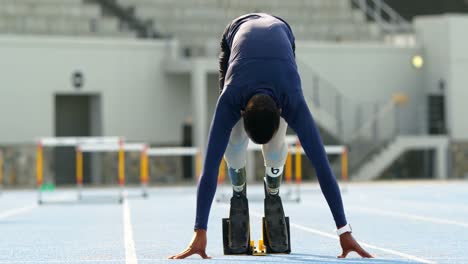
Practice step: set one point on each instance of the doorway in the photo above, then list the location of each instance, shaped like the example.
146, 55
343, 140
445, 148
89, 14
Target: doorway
75, 116
436, 115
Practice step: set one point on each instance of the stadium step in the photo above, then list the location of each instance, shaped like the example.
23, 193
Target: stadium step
373, 168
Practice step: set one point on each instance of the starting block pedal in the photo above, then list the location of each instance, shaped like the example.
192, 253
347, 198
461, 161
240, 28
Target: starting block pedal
260, 251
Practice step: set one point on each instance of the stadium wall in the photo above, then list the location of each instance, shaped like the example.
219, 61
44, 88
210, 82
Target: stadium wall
370, 72
446, 49
446, 46
141, 101
136, 96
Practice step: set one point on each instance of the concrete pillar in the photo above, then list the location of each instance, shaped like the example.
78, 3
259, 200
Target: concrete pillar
200, 104
442, 160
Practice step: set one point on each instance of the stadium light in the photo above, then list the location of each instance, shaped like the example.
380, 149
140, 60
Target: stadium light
417, 61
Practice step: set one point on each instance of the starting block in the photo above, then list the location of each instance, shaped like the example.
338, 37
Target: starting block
261, 250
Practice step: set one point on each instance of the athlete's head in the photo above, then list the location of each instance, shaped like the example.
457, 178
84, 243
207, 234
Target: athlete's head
261, 118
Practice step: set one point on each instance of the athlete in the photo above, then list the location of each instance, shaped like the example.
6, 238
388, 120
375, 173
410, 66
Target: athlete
260, 95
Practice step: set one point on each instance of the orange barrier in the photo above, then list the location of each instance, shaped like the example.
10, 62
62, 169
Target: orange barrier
39, 171
121, 164
298, 164
288, 173
222, 172
198, 161
144, 168
344, 165
79, 166
39, 165
144, 171
79, 170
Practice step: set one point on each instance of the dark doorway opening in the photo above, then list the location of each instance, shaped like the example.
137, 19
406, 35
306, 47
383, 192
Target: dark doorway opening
437, 122
75, 116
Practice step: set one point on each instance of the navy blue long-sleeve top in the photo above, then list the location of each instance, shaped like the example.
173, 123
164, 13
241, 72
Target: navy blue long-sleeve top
257, 56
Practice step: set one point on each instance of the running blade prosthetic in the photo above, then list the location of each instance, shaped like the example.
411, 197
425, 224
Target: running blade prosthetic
236, 228
276, 234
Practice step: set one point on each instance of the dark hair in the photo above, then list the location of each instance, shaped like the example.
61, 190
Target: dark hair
261, 118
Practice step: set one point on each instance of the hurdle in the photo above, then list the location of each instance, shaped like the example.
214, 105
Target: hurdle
121, 148
178, 151
293, 163
340, 150
52, 142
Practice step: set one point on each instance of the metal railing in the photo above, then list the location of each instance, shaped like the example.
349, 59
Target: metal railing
144, 28
374, 135
343, 115
364, 127
385, 16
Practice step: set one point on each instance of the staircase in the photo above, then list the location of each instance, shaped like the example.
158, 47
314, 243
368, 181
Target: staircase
337, 115
388, 20
381, 160
143, 28
325, 120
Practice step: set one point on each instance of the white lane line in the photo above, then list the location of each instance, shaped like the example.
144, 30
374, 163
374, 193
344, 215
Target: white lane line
410, 216
130, 253
65, 197
63, 261
17, 211
425, 204
334, 236
367, 245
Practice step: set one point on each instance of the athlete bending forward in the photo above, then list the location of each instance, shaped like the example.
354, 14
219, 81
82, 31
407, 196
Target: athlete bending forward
260, 95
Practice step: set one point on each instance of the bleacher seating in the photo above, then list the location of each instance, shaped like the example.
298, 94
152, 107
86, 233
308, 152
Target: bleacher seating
196, 22
57, 17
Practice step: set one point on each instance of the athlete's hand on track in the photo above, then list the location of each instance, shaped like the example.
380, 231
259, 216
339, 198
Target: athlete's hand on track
348, 244
197, 246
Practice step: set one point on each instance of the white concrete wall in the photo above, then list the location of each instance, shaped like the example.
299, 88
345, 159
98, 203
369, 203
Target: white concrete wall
435, 51
142, 102
138, 100
458, 91
370, 72
445, 40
